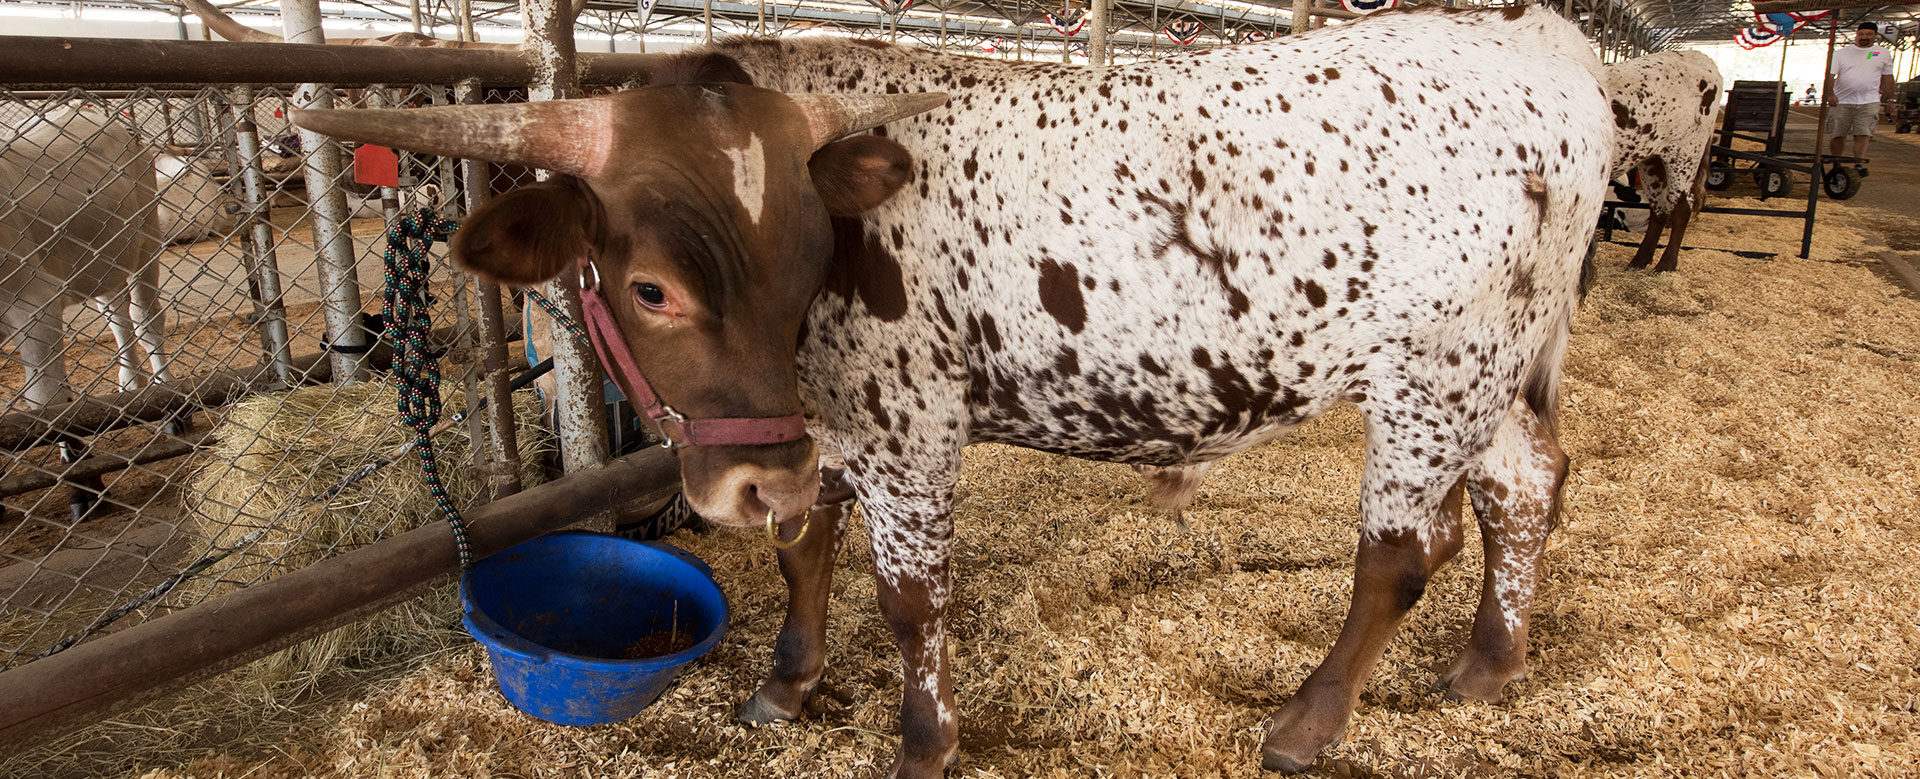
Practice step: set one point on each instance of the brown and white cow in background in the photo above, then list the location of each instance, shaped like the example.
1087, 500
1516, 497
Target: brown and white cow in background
1665, 107
1391, 213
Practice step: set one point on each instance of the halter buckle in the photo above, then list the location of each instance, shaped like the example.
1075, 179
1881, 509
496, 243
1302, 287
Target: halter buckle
669, 414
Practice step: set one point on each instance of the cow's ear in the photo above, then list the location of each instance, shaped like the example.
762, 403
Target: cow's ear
530, 234
858, 173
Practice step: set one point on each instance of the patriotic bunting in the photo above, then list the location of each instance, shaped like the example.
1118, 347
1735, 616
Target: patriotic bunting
1254, 36
1368, 6
1183, 33
991, 46
1773, 27
1068, 22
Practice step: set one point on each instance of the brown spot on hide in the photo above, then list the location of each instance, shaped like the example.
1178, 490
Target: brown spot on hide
1537, 189
1623, 116
1522, 287
1060, 294
863, 269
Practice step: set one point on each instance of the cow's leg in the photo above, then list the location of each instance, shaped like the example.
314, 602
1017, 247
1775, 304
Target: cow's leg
1657, 219
1515, 488
150, 324
800, 653
1670, 259
1171, 488
911, 534
150, 327
1410, 515
40, 343
114, 308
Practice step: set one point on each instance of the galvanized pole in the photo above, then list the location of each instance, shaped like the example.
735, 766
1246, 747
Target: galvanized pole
1300, 16
577, 374
270, 310
706, 13
1097, 48
333, 243
413, 12
378, 96
503, 460
466, 21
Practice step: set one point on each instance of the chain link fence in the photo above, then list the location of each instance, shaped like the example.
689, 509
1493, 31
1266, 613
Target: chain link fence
163, 299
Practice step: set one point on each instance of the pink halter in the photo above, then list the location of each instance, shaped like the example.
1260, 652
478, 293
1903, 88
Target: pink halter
614, 354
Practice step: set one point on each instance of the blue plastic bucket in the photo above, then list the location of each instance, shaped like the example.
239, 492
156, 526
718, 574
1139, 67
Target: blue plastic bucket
557, 615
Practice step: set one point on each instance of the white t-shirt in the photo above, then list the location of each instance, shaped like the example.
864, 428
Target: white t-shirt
1857, 72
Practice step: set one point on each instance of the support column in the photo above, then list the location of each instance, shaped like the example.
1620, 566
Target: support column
1099, 48
333, 244
577, 373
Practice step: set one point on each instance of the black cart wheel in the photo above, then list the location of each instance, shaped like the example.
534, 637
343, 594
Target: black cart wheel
1903, 129
1841, 182
1719, 177
1773, 183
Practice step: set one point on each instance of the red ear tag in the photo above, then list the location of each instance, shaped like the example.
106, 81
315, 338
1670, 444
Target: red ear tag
376, 166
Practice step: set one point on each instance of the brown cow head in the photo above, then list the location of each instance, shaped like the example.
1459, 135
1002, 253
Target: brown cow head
705, 209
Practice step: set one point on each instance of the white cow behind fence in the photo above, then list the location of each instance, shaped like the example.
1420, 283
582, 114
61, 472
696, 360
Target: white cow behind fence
77, 223
193, 205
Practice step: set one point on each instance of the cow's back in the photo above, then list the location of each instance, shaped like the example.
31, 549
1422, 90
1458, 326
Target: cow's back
80, 210
1664, 105
1167, 261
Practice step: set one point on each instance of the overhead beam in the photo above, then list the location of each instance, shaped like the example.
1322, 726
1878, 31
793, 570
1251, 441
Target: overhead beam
1786, 6
28, 61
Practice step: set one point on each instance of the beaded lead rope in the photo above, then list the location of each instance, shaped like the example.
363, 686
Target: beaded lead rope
416, 367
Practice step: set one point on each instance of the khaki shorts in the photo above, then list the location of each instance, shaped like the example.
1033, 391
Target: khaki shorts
1852, 119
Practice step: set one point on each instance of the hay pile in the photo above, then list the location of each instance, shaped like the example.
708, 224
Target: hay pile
274, 454
1731, 594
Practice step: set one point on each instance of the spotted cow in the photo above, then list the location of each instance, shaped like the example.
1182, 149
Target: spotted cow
1665, 107
1391, 213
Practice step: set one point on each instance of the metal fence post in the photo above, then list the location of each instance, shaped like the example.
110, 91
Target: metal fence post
333, 243
257, 244
503, 459
583, 427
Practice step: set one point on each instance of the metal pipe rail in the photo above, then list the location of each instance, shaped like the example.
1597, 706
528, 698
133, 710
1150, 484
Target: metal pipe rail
23, 430
98, 678
35, 62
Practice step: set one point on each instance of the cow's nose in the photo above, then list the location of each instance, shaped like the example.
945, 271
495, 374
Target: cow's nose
746, 492
785, 497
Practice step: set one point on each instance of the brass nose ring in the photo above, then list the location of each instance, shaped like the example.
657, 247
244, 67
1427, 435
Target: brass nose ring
773, 530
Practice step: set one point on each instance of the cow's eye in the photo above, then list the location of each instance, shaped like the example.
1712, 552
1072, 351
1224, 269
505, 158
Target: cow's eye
650, 295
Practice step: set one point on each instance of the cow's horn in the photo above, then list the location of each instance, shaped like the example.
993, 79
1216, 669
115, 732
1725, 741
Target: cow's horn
225, 26
567, 136
832, 117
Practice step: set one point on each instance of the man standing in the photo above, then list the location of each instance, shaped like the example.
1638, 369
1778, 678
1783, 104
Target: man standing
1860, 81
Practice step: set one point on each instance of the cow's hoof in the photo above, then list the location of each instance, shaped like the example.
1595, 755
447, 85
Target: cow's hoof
1475, 679
924, 769
83, 504
1274, 761
178, 426
1312, 720
758, 711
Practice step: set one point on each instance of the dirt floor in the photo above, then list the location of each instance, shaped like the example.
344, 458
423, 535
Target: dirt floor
1732, 592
